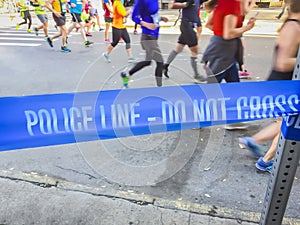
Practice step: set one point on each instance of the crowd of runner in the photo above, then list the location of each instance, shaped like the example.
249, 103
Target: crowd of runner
222, 59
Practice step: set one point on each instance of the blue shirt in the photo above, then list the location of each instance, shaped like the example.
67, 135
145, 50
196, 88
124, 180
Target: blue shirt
78, 8
147, 11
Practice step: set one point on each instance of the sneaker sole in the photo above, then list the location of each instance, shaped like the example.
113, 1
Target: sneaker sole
262, 170
241, 127
246, 77
199, 82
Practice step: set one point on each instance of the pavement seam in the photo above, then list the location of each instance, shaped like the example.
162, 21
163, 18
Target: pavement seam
140, 199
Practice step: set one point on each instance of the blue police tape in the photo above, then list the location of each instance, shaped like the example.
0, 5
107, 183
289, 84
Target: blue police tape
291, 127
43, 120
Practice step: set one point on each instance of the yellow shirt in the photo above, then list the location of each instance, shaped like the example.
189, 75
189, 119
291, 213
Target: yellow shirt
59, 6
119, 12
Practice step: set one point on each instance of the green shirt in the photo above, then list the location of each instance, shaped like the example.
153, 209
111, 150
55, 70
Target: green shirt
39, 7
23, 5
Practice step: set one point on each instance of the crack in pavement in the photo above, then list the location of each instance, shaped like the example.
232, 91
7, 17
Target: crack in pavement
135, 198
78, 172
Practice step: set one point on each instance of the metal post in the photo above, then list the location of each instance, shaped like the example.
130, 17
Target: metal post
284, 169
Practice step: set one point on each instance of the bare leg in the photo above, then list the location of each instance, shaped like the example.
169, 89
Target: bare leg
272, 150
269, 132
64, 32
56, 35
82, 31
45, 28
107, 25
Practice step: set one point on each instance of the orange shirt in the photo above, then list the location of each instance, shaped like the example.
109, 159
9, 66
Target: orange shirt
119, 12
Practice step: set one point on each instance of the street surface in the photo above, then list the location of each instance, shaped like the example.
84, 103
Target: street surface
215, 182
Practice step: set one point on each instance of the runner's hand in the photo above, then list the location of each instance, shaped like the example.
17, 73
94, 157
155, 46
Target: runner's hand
165, 19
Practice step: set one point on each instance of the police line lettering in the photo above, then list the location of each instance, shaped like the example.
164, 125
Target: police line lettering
86, 116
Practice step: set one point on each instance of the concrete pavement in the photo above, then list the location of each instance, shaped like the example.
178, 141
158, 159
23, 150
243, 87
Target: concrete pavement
63, 203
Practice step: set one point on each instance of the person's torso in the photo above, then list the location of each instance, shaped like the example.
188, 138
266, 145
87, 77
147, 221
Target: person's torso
59, 6
281, 52
148, 10
78, 8
39, 7
223, 9
24, 3
107, 12
119, 12
191, 13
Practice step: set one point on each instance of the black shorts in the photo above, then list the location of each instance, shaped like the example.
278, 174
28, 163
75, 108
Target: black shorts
76, 17
188, 35
120, 33
60, 21
276, 75
108, 20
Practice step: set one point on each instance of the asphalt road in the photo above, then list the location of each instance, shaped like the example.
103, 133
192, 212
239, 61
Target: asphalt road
215, 176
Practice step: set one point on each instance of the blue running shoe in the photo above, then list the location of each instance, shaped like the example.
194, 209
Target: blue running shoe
106, 57
249, 143
65, 49
263, 166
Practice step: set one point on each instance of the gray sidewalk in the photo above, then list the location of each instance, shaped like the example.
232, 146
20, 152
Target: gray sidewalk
72, 204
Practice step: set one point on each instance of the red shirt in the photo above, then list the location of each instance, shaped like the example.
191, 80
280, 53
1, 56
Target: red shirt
107, 13
225, 8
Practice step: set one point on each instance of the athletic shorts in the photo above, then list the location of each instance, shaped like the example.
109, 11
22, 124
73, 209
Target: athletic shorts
108, 20
76, 17
93, 12
276, 75
43, 18
25, 15
60, 21
150, 45
188, 35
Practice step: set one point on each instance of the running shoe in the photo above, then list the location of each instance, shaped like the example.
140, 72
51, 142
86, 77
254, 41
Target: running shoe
88, 34
165, 71
29, 31
88, 43
125, 79
263, 166
36, 31
245, 74
199, 79
107, 41
131, 59
50, 42
249, 143
65, 49
17, 26
101, 29
135, 32
106, 57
